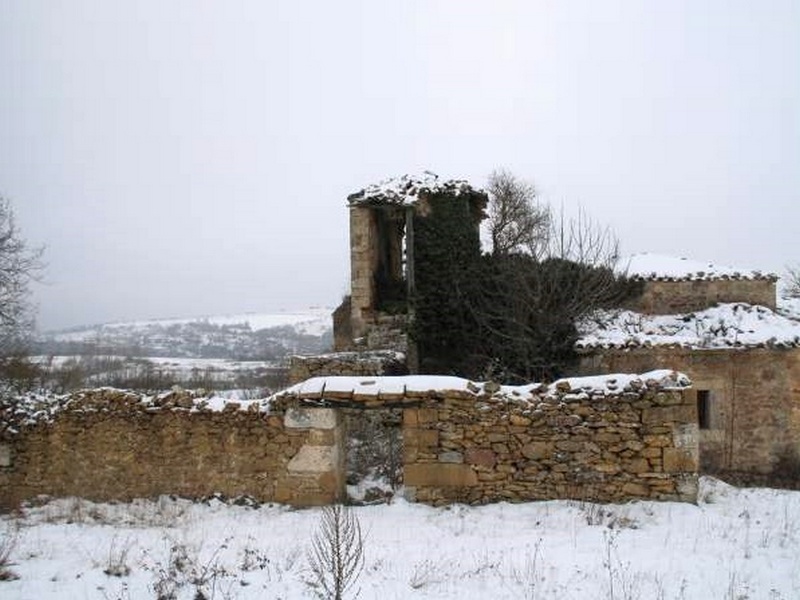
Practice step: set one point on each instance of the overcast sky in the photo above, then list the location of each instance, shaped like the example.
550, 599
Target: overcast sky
184, 158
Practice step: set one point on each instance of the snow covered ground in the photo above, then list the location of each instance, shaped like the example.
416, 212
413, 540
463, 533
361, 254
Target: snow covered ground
735, 544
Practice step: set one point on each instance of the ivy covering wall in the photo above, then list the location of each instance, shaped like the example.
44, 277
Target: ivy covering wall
511, 318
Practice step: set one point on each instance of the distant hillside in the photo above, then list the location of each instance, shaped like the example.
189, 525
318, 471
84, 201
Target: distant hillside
254, 336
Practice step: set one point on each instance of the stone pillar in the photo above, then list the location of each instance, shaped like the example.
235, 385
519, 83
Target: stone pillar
315, 475
363, 262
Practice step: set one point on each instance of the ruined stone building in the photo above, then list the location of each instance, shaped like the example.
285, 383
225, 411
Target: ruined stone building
719, 326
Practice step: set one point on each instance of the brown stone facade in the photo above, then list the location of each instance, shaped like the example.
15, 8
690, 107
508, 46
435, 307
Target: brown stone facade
108, 445
669, 296
752, 398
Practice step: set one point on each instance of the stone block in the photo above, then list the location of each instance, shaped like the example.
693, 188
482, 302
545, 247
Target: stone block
421, 438
537, 450
451, 457
321, 437
313, 459
636, 490
427, 415
310, 418
679, 460
680, 413
637, 465
480, 457
439, 475
519, 420
569, 446
410, 417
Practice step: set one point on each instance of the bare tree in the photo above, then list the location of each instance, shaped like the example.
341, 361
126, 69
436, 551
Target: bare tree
546, 274
19, 265
793, 282
517, 223
336, 558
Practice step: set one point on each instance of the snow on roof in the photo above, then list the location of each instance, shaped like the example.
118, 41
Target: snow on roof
725, 326
334, 388
669, 268
405, 190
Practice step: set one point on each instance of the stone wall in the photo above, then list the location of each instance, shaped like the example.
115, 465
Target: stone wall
111, 445
754, 420
613, 438
357, 364
680, 296
633, 438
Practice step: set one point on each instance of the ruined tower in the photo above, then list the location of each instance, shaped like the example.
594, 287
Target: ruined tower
382, 265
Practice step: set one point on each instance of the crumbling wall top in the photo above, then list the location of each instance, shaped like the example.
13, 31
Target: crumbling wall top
407, 190
655, 267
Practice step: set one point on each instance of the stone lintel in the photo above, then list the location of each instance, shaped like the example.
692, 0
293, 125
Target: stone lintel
310, 418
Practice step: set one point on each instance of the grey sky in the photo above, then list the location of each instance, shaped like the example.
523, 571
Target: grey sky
193, 157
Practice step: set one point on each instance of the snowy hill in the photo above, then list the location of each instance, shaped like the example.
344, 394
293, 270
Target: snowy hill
253, 336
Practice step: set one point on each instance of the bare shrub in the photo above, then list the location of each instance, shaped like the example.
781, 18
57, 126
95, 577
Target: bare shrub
425, 573
117, 561
793, 281
336, 557
182, 568
8, 543
529, 577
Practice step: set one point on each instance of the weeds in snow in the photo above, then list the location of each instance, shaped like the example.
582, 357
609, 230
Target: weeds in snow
529, 577
183, 567
425, 573
737, 590
621, 582
117, 562
8, 543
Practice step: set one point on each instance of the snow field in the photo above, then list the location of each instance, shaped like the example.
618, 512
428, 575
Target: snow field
734, 544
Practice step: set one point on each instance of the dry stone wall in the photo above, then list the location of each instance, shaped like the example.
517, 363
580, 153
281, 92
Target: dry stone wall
629, 438
357, 364
674, 296
112, 445
611, 438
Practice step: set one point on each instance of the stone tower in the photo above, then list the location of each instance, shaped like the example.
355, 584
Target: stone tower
382, 266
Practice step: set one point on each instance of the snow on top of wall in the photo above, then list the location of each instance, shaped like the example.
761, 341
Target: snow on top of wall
725, 326
316, 388
669, 268
34, 408
43, 407
406, 189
